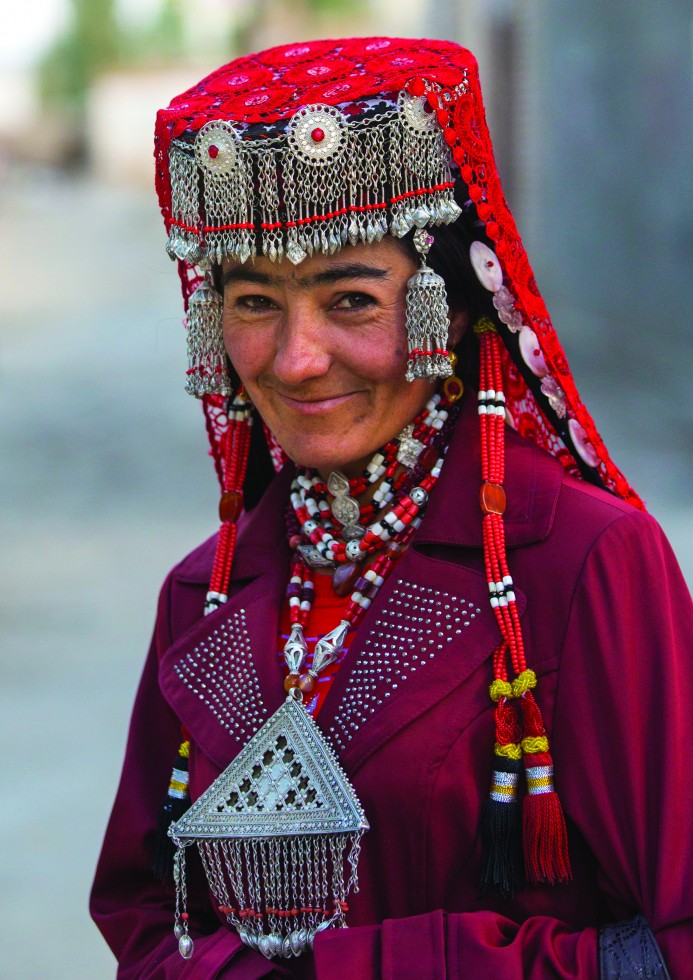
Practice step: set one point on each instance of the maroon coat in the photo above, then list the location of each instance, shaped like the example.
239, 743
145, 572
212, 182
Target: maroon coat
605, 613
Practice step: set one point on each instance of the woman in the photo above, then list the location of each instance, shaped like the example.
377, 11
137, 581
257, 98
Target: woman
325, 661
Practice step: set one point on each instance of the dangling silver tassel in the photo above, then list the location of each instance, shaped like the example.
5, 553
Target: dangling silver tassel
427, 320
207, 367
186, 946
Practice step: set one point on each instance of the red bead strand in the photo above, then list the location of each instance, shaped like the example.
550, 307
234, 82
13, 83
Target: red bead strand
236, 462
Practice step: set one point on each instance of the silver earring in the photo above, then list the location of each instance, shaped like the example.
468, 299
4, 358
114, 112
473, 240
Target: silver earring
207, 365
427, 320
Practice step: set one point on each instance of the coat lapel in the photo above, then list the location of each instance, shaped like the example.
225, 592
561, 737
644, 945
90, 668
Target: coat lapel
431, 629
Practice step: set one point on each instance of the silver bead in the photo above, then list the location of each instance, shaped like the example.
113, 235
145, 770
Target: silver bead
186, 946
312, 556
353, 552
178, 930
419, 496
421, 217
337, 483
295, 253
296, 649
329, 647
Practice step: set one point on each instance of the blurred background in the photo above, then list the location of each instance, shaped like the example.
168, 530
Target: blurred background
104, 477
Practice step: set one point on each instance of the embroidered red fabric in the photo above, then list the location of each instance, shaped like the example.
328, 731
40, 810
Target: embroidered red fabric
270, 86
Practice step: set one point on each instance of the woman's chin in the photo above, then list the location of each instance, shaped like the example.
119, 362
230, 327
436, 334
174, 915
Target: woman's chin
325, 460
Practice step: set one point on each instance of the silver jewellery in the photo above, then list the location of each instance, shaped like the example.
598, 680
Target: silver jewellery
344, 508
427, 321
276, 833
279, 831
337, 530
207, 372
324, 182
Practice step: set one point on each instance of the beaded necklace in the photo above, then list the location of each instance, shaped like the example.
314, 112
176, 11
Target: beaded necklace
328, 544
311, 516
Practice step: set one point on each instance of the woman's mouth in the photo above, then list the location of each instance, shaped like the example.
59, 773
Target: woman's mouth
315, 406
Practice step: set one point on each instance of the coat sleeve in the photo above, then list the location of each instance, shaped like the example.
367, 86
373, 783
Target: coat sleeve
621, 734
133, 910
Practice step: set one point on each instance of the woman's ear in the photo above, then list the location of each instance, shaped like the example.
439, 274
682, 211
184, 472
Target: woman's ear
459, 321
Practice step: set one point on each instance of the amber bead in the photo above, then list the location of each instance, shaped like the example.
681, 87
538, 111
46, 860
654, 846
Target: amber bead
344, 577
290, 681
231, 505
453, 389
428, 458
294, 541
393, 550
492, 498
306, 683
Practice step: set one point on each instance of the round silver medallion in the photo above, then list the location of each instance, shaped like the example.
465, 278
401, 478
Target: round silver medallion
346, 510
318, 134
216, 147
413, 110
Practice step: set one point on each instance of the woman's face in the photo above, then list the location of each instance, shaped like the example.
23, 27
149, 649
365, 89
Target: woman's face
321, 350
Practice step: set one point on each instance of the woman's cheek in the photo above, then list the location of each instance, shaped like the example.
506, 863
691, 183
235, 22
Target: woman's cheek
245, 347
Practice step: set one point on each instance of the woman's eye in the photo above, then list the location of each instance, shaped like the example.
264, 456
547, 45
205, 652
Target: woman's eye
256, 303
354, 301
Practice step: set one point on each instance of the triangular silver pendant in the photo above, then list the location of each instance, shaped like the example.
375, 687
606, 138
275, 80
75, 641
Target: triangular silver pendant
285, 781
275, 832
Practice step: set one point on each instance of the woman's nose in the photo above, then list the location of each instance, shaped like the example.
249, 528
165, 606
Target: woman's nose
302, 346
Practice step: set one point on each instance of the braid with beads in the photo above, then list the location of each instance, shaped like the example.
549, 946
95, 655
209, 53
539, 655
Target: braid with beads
542, 832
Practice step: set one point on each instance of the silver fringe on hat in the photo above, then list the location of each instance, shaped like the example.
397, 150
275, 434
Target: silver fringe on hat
325, 182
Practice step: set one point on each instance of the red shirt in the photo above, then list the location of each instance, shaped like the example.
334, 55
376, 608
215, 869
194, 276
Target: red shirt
328, 609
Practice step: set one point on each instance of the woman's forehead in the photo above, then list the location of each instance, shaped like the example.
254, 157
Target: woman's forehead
384, 260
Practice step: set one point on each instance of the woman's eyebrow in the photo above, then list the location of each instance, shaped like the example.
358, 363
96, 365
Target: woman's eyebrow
352, 270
